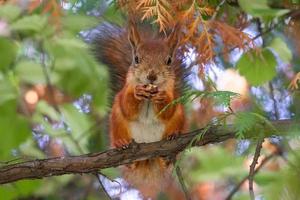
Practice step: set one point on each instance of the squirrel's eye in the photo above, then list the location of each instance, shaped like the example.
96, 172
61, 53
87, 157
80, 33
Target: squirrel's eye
169, 60
136, 60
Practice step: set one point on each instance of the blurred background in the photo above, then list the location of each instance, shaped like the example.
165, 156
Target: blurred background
243, 59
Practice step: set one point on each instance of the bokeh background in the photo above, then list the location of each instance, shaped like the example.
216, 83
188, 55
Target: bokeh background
243, 60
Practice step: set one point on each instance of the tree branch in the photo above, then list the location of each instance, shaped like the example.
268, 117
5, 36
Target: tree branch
89, 163
252, 166
237, 187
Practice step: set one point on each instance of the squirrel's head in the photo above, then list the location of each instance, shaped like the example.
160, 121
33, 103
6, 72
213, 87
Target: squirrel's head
152, 59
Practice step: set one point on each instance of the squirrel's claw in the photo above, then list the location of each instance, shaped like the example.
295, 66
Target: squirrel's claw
173, 136
122, 143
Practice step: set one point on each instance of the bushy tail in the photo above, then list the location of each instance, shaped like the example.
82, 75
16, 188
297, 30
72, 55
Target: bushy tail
151, 177
111, 47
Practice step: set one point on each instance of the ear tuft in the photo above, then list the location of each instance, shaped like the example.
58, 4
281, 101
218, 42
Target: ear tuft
174, 38
133, 35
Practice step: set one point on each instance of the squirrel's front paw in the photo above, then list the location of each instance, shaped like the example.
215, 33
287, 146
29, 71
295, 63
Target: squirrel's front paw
160, 97
121, 143
174, 135
143, 92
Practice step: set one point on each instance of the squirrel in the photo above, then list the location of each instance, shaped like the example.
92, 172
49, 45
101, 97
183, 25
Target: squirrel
146, 76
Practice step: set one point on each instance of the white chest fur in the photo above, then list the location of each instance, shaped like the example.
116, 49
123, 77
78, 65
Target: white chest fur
147, 127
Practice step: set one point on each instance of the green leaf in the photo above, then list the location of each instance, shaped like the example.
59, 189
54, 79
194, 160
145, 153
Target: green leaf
113, 14
78, 125
8, 191
9, 12
7, 90
213, 163
43, 108
78, 70
257, 68
12, 135
244, 122
281, 48
32, 72
260, 8
76, 23
222, 98
30, 24
8, 52
252, 123
30, 149
20, 189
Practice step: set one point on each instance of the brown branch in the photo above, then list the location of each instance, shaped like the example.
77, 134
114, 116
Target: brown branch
102, 185
181, 181
217, 9
252, 167
89, 163
237, 187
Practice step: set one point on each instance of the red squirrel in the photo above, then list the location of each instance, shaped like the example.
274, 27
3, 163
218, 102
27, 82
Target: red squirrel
146, 76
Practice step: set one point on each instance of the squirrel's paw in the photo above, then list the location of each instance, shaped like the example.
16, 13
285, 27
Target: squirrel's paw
122, 143
141, 92
173, 135
160, 97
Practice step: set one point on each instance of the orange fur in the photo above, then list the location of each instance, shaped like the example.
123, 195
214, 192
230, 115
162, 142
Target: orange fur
136, 111
149, 176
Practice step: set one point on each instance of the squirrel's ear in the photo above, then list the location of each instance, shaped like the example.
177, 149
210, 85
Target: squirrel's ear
173, 39
133, 36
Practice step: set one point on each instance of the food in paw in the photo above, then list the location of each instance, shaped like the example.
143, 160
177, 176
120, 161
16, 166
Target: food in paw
151, 88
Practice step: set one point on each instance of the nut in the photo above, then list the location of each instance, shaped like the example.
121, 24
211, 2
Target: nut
151, 88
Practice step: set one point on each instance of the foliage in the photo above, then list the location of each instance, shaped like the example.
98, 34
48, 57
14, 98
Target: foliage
53, 93
258, 68
253, 123
221, 98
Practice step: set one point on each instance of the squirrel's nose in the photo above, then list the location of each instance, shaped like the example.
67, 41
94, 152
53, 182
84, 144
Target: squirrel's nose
152, 77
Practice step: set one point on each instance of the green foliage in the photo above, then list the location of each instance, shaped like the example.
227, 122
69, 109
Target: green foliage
252, 125
21, 188
258, 68
221, 98
11, 135
33, 47
244, 122
281, 48
284, 184
30, 72
260, 8
9, 12
113, 15
77, 23
32, 51
7, 90
30, 25
214, 163
8, 51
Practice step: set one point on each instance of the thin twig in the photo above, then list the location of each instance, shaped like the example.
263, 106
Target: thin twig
252, 39
275, 107
102, 185
47, 77
52, 95
182, 183
237, 187
111, 180
217, 10
252, 167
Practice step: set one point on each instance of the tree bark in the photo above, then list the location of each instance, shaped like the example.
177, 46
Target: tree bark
91, 163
